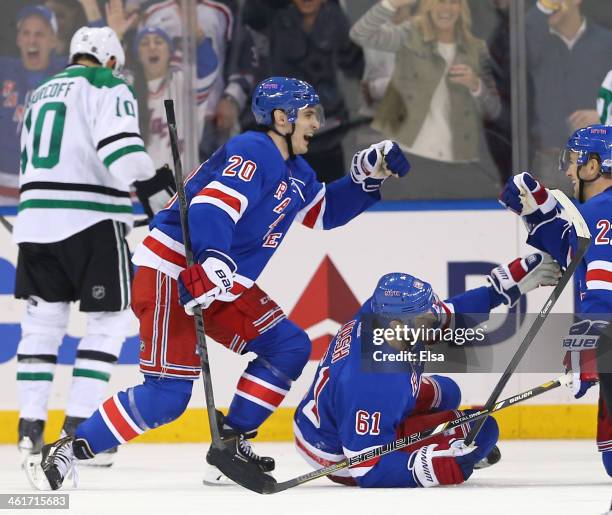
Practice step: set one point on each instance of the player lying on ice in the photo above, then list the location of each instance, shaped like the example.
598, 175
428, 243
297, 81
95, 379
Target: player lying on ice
349, 410
241, 203
587, 162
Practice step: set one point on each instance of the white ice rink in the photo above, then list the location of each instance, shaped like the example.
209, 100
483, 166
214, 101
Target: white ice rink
534, 477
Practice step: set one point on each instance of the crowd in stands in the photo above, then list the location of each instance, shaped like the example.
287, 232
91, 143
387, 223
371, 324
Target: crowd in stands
434, 75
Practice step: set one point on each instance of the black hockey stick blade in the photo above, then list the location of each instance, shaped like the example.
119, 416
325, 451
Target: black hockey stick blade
273, 488
584, 241
246, 474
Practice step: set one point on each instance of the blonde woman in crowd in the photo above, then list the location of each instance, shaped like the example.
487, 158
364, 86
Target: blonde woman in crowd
440, 91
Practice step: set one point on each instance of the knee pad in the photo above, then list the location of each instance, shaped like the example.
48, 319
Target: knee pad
606, 457
158, 400
106, 331
449, 392
43, 326
286, 347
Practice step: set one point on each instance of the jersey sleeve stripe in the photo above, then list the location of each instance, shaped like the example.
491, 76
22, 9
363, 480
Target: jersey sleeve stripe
223, 197
115, 137
599, 275
117, 154
361, 469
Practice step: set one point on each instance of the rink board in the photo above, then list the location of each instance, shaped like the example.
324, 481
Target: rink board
315, 277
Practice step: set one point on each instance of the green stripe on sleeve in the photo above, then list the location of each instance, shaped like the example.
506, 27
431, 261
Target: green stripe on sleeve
34, 376
74, 204
111, 158
92, 374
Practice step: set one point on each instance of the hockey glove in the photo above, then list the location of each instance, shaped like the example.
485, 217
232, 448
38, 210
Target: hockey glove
529, 199
523, 275
432, 467
201, 284
155, 192
580, 358
370, 167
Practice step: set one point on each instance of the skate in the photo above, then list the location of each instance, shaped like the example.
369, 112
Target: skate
491, 459
56, 464
30, 437
102, 459
239, 444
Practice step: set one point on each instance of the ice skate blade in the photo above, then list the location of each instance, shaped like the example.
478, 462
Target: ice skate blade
214, 477
35, 474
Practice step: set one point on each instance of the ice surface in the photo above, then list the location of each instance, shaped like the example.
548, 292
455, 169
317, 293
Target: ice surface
534, 477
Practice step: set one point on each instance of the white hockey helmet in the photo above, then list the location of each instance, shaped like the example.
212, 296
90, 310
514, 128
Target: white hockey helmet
101, 42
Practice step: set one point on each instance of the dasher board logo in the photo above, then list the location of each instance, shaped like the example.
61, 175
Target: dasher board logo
326, 303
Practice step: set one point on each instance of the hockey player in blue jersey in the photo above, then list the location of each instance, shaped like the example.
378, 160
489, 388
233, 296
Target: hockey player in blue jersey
241, 203
350, 409
587, 162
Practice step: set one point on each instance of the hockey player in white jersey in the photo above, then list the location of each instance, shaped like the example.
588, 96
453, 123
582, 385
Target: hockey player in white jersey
604, 100
80, 150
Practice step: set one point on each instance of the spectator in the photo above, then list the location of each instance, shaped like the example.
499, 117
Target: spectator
229, 92
71, 15
36, 40
308, 39
154, 49
440, 90
560, 41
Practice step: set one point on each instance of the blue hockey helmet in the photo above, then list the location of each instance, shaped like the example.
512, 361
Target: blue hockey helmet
284, 93
403, 294
595, 139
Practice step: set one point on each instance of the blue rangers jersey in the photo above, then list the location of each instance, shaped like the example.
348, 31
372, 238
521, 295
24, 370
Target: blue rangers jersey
348, 411
593, 277
242, 202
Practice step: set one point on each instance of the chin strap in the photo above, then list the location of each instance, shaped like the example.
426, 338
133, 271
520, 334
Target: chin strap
287, 139
582, 182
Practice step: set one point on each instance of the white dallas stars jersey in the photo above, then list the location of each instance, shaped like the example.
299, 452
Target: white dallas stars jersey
80, 150
604, 100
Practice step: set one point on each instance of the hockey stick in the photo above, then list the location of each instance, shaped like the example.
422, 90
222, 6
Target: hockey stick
7, 225
584, 240
401, 443
244, 474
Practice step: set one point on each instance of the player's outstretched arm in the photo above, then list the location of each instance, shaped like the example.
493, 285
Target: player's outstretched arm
540, 212
339, 202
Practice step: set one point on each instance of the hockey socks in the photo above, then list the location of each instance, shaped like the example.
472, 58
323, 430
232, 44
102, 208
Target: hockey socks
283, 351
128, 414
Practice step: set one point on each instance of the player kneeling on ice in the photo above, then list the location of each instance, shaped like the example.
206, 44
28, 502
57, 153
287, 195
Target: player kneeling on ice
242, 202
349, 410
587, 162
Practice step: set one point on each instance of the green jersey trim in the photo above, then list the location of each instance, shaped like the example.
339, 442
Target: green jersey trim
74, 204
111, 158
97, 76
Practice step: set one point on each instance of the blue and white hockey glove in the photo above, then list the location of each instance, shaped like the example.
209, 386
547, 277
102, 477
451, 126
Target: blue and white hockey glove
529, 199
370, 167
201, 284
581, 344
523, 275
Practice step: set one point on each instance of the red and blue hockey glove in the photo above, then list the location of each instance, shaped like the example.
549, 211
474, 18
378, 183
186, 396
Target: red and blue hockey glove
201, 284
530, 199
523, 275
431, 466
370, 167
580, 358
